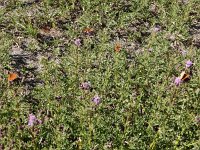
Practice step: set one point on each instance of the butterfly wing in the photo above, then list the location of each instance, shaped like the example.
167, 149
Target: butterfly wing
12, 76
117, 47
184, 76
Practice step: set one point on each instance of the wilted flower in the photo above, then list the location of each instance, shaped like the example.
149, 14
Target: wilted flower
153, 8
1, 134
77, 42
150, 49
86, 85
172, 37
188, 64
156, 28
32, 119
183, 52
197, 119
177, 81
185, 1
96, 99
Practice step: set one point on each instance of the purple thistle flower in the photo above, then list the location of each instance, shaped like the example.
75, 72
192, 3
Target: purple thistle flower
188, 64
32, 119
77, 42
177, 81
86, 85
96, 99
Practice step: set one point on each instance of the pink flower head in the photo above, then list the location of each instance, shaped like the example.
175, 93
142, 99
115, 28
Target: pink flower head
177, 81
96, 99
39, 121
32, 119
188, 64
77, 42
86, 85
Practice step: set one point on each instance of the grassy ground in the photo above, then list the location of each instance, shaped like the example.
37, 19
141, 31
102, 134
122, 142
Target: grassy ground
99, 74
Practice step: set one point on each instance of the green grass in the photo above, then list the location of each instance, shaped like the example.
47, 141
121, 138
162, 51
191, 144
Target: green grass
141, 107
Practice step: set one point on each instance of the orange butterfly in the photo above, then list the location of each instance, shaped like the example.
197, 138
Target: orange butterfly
184, 76
117, 47
12, 76
88, 30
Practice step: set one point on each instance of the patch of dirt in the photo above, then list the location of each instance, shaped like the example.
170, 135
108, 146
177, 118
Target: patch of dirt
195, 32
51, 32
141, 27
27, 64
77, 11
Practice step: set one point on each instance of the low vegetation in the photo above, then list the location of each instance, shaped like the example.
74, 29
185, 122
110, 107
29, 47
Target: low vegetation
82, 74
